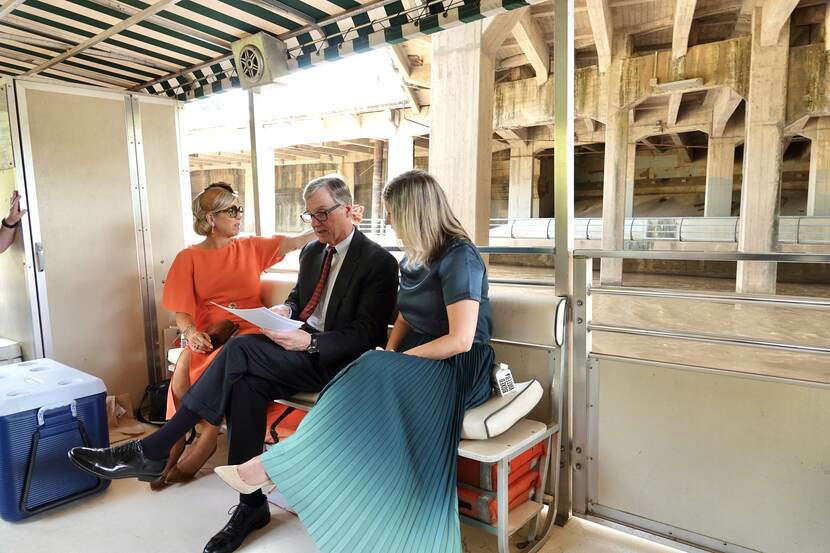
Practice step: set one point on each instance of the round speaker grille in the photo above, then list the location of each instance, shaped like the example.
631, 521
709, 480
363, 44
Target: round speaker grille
252, 63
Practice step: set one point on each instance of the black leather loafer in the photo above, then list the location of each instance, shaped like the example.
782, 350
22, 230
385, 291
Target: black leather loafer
122, 461
245, 519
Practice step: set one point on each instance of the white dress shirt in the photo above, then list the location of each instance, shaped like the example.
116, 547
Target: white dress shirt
318, 318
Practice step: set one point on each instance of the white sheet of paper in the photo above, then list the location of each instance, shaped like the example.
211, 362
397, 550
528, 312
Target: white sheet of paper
264, 318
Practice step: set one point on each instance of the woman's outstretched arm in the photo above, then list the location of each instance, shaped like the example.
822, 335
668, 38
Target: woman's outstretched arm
291, 242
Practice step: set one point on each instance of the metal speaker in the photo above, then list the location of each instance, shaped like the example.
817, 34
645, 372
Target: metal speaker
260, 59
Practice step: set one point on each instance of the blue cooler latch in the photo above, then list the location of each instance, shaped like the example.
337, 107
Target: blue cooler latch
51, 478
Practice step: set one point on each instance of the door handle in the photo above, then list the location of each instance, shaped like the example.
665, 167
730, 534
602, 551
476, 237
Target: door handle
40, 257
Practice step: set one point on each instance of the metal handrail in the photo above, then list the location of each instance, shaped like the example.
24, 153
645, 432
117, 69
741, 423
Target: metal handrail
716, 297
780, 257
516, 282
791, 230
707, 338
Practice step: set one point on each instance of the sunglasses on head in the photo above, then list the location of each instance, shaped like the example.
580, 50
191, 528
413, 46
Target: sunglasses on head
233, 211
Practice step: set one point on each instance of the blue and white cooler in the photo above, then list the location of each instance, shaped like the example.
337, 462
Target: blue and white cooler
47, 408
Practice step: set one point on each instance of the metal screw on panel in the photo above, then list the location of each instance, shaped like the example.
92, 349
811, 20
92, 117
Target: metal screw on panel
579, 303
579, 450
579, 321
578, 466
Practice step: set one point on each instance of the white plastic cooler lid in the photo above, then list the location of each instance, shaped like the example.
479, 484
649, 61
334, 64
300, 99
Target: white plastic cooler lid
43, 382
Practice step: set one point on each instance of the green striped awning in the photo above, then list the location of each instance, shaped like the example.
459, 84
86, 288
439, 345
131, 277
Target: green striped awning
184, 50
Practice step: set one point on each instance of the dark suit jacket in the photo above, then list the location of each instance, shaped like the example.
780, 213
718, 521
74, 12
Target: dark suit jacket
362, 300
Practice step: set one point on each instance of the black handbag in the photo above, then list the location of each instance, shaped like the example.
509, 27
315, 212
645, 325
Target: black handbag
154, 403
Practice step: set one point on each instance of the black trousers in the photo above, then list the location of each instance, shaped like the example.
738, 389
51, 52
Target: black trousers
247, 375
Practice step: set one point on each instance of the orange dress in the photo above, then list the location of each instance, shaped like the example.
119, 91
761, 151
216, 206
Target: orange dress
228, 275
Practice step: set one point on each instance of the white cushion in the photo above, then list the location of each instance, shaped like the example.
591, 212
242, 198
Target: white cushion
496, 415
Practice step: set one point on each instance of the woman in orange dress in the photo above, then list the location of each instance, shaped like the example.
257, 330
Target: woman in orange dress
221, 269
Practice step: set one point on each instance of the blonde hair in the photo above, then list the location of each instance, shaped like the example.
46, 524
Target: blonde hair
216, 197
421, 216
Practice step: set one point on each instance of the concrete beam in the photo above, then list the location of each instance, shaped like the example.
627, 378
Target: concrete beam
709, 65
684, 13
674, 108
725, 104
397, 52
602, 26
743, 24
530, 40
776, 14
683, 153
827, 29
496, 29
517, 138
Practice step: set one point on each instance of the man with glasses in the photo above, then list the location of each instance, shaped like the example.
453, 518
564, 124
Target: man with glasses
345, 295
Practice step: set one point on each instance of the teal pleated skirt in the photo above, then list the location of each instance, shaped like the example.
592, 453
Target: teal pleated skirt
372, 467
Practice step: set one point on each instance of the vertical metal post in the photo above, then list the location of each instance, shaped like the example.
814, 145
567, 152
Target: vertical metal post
144, 248
503, 523
252, 128
563, 93
583, 272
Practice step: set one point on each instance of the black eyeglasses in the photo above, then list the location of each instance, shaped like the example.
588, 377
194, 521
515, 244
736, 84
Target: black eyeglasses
233, 211
321, 216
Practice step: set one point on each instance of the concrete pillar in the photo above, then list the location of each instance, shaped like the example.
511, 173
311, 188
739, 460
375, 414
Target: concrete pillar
616, 164
763, 157
630, 177
818, 192
401, 154
720, 171
267, 191
377, 187
520, 188
461, 106
248, 221
347, 169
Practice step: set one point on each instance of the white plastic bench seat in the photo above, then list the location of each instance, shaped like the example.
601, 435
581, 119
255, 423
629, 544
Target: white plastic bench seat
302, 401
523, 435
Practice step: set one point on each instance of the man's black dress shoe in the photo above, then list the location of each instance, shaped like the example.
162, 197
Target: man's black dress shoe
122, 461
245, 519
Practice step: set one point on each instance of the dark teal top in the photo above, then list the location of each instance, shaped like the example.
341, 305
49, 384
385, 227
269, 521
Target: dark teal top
457, 274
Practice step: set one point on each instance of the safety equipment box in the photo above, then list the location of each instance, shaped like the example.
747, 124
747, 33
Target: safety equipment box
47, 408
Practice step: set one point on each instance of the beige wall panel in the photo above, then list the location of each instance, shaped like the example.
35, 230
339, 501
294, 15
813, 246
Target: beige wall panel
80, 163
742, 460
161, 159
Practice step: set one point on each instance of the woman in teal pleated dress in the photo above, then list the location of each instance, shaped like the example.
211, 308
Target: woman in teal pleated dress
372, 468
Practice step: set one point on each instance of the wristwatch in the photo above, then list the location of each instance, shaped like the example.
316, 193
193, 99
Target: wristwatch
312, 345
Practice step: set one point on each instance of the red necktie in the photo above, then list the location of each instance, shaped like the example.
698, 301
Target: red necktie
321, 285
